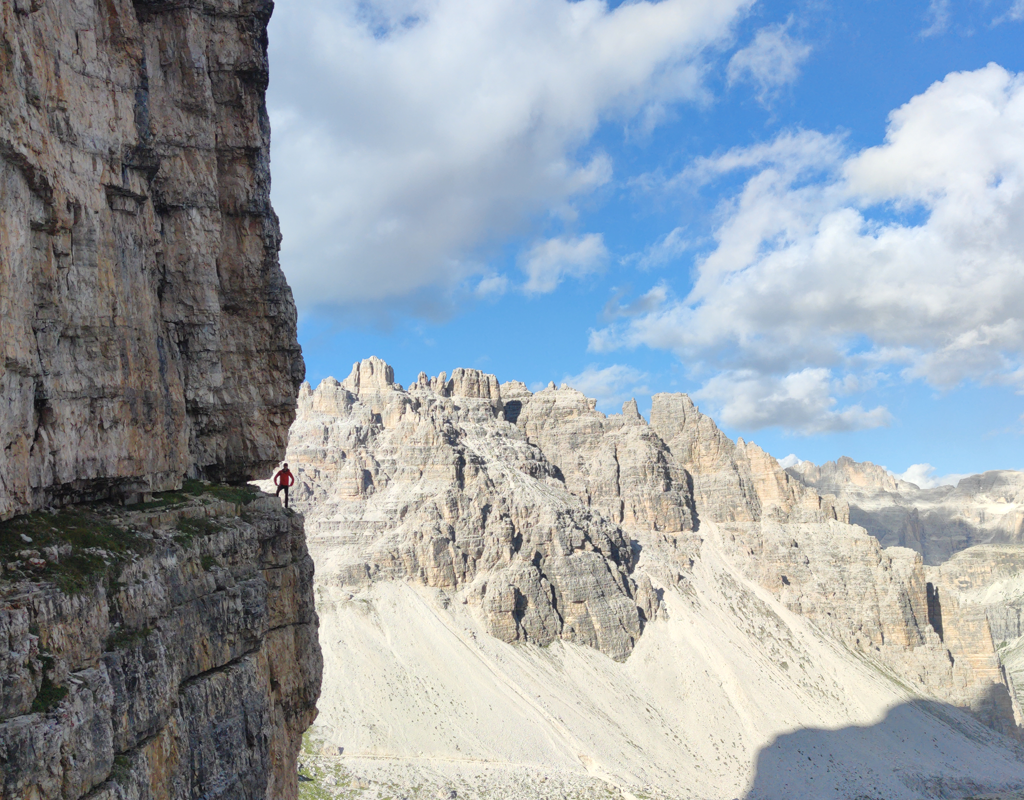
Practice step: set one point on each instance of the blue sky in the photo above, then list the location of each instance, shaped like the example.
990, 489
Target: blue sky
807, 215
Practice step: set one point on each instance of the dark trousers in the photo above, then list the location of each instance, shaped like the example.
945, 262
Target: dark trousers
285, 490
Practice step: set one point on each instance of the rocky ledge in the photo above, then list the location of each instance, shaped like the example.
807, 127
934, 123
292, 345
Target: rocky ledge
167, 649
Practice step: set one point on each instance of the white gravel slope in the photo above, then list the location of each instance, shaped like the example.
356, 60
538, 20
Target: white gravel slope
730, 696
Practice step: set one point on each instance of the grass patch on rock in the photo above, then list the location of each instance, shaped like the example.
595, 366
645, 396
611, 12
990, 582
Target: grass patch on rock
79, 546
122, 639
189, 528
240, 495
49, 696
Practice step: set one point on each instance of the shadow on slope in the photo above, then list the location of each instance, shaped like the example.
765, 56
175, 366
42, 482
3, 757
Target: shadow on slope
921, 749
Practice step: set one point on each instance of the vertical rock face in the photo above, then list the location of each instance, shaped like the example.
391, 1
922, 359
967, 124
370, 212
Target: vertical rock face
734, 481
555, 521
936, 522
174, 657
979, 594
617, 465
146, 327
800, 546
433, 484
147, 334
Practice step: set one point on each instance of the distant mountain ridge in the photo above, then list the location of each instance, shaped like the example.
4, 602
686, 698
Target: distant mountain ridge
981, 509
509, 577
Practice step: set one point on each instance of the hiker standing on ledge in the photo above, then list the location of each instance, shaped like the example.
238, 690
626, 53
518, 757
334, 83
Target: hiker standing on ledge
283, 479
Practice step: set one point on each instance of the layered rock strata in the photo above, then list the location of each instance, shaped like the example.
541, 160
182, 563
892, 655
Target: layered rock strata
437, 486
978, 595
936, 522
146, 327
553, 520
163, 653
147, 334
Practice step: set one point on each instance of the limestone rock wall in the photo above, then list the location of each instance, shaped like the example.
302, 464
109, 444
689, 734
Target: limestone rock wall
524, 505
439, 488
618, 465
800, 545
937, 522
177, 660
734, 481
147, 329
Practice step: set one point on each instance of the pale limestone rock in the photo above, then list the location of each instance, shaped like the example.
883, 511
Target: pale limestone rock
799, 545
733, 481
938, 522
369, 377
468, 383
146, 327
494, 500
977, 598
617, 465
433, 484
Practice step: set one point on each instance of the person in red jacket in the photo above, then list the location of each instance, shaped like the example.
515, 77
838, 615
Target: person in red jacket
283, 479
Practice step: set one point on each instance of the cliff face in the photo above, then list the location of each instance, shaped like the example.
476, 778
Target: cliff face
938, 522
552, 521
146, 327
168, 652
436, 486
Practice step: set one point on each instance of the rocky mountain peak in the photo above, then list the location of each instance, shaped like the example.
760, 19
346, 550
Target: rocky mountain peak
370, 375
537, 520
845, 472
937, 522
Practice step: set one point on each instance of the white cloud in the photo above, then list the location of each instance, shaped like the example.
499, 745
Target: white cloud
410, 134
771, 61
938, 18
491, 286
907, 256
611, 386
800, 401
1013, 13
664, 251
924, 476
790, 461
654, 299
548, 262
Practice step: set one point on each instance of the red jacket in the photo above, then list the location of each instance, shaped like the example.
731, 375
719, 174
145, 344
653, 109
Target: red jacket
284, 478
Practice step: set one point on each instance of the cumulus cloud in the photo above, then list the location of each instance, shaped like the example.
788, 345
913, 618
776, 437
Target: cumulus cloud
924, 476
668, 248
771, 61
491, 286
800, 401
790, 461
409, 134
610, 386
904, 259
546, 263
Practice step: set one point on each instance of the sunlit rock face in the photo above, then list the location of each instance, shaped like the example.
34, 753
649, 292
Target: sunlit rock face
552, 521
936, 522
436, 485
147, 329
